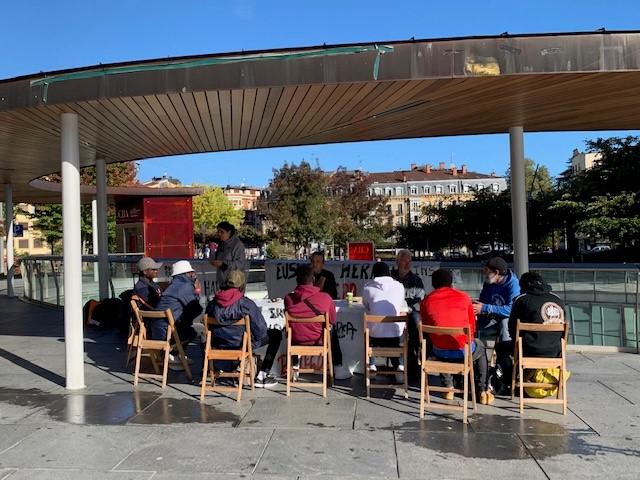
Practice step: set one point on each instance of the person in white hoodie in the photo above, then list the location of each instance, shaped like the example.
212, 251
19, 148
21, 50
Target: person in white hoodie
384, 296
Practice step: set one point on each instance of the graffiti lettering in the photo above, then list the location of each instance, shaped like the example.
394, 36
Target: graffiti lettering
345, 330
285, 271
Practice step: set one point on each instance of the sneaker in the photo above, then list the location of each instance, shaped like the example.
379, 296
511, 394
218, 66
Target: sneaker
265, 380
487, 398
296, 372
373, 369
341, 373
176, 359
448, 395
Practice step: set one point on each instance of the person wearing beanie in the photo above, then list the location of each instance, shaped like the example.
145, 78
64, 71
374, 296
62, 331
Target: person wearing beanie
230, 305
450, 308
385, 296
146, 289
499, 291
537, 304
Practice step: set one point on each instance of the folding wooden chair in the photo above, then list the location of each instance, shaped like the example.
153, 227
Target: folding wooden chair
526, 363
432, 366
243, 354
385, 352
323, 350
156, 349
132, 338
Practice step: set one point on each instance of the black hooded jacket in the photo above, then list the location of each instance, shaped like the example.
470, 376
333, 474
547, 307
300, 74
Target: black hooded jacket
536, 305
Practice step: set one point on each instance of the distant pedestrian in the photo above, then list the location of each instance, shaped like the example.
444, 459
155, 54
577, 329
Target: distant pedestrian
230, 254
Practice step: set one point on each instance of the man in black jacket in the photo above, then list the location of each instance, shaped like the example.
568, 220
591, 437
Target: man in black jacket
536, 304
323, 278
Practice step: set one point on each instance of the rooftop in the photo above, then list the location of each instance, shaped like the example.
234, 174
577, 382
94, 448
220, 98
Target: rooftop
112, 431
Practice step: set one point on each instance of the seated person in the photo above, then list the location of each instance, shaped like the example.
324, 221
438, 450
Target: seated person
496, 298
447, 307
384, 296
145, 288
537, 304
182, 297
307, 301
228, 306
413, 295
322, 278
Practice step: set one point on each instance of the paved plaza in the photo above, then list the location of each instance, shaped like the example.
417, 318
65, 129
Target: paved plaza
111, 431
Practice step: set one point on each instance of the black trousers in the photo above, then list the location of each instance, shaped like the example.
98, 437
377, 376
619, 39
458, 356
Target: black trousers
480, 366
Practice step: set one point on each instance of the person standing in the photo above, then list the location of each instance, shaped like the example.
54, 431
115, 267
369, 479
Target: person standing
230, 254
323, 278
413, 293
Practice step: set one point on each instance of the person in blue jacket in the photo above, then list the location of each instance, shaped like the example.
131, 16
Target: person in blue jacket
228, 306
498, 293
182, 297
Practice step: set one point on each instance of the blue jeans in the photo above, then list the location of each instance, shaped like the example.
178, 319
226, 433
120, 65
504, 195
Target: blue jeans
485, 330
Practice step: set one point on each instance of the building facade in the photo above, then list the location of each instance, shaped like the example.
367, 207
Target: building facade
409, 191
246, 199
581, 161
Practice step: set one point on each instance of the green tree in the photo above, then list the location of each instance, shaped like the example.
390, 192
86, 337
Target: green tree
356, 215
537, 179
48, 222
212, 207
297, 207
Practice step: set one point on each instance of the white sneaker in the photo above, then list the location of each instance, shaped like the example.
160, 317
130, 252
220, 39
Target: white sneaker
175, 364
341, 373
296, 372
373, 369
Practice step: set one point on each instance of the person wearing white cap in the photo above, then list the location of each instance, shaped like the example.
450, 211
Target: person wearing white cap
183, 299
145, 288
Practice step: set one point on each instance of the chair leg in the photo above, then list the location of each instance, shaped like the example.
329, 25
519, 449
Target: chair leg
465, 394
241, 378
472, 377
165, 367
513, 374
203, 384
324, 371
423, 385
521, 374
406, 365
136, 371
289, 372
252, 372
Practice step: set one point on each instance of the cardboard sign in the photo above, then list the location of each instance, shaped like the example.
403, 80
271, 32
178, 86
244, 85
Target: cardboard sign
364, 251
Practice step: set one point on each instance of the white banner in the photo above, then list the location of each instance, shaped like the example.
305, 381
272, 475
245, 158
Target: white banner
350, 275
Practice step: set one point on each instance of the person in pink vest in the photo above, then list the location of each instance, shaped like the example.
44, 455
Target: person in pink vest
307, 301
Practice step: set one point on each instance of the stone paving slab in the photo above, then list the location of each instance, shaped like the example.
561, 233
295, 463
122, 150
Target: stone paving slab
327, 452
197, 449
12, 435
301, 413
51, 474
74, 447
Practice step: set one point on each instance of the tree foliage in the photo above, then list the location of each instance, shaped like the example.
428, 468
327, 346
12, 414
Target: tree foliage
212, 207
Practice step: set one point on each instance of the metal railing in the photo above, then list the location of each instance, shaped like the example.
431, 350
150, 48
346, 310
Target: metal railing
602, 302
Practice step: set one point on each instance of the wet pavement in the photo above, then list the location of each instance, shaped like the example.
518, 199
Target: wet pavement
112, 431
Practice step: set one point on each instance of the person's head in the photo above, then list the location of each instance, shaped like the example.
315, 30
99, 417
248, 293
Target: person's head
443, 277
531, 281
225, 231
183, 267
148, 268
403, 262
495, 270
317, 261
235, 279
380, 269
304, 275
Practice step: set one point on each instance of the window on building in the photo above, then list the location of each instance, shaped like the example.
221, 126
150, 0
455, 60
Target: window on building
466, 188
23, 243
388, 192
400, 221
399, 191
416, 219
399, 209
38, 243
389, 209
414, 190
480, 187
426, 190
453, 188
25, 226
495, 187
438, 189
415, 205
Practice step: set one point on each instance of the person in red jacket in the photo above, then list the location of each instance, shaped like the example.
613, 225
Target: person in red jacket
448, 307
307, 301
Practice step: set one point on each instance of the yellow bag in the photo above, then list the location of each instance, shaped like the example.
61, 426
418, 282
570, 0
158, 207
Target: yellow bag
543, 375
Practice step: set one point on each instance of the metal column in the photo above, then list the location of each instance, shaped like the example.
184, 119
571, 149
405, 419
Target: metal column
8, 215
72, 250
103, 233
519, 202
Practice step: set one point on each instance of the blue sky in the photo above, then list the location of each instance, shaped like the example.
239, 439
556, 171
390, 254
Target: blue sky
41, 35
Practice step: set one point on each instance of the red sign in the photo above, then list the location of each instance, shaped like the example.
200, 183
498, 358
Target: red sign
361, 251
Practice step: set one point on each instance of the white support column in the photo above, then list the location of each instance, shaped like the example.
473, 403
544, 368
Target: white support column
103, 232
8, 215
72, 250
94, 239
519, 202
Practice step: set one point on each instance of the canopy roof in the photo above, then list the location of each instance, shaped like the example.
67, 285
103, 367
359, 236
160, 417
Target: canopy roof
323, 94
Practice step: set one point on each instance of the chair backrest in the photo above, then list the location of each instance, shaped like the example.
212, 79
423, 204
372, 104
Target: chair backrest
402, 318
210, 321
322, 319
140, 302
139, 323
543, 327
451, 331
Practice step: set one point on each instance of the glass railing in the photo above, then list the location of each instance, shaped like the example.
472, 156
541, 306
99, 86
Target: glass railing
602, 302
